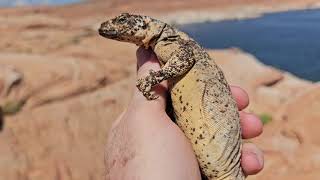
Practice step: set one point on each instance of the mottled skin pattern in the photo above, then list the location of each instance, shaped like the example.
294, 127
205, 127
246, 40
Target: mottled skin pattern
203, 105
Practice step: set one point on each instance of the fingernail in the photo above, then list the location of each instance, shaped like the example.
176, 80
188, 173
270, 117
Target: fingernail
257, 156
255, 153
260, 159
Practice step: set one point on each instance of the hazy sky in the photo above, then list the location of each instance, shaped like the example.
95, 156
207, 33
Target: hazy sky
33, 2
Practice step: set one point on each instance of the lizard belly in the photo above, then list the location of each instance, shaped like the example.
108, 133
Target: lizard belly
208, 115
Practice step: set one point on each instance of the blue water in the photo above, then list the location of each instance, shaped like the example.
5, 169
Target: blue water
10, 3
289, 41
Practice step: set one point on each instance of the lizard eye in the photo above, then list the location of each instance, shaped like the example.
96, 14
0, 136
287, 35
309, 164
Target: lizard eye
144, 26
122, 20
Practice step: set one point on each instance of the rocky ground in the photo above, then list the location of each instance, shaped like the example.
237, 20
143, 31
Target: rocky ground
75, 83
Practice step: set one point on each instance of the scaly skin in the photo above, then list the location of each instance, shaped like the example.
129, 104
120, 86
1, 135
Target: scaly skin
201, 98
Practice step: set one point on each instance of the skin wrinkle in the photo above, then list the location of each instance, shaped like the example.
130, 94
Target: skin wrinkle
120, 153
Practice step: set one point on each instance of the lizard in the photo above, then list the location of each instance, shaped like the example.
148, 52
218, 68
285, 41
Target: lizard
201, 98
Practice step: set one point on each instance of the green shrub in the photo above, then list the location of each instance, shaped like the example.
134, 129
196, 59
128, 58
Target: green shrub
265, 118
12, 107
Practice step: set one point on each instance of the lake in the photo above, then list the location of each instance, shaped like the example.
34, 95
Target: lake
10, 3
289, 41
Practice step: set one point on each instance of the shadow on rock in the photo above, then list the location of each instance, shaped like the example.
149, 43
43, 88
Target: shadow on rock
1, 119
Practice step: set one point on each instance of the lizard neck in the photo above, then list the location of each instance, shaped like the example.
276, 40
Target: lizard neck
154, 40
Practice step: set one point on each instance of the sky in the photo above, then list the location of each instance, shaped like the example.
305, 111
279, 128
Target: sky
34, 2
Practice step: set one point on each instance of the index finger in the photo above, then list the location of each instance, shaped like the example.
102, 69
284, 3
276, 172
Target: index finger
240, 96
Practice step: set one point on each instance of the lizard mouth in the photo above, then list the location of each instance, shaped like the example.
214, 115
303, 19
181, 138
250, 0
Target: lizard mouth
107, 33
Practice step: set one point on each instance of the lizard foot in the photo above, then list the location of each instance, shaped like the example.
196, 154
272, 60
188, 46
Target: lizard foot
145, 85
147, 94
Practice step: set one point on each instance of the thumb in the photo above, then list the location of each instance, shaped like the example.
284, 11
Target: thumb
147, 60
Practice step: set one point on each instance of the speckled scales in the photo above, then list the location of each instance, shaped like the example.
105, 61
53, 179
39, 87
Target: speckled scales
208, 115
201, 98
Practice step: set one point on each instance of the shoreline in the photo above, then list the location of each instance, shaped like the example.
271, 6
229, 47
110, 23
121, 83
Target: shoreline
214, 35
242, 13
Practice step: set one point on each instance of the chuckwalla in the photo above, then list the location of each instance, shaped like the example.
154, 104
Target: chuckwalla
201, 98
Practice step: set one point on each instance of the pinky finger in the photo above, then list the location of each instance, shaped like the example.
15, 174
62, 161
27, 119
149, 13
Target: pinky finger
252, 159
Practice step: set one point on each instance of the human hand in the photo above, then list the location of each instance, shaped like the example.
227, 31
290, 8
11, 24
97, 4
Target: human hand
144, 143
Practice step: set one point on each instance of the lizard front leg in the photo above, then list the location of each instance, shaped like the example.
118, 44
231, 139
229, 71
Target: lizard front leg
176, 66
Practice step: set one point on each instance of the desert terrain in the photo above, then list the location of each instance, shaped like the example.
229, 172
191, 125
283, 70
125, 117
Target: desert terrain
74, 83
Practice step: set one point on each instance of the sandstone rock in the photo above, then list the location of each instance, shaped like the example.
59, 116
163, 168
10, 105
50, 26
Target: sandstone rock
9, 76
244, 69
64, 139
293, 139
302, 115
268, 88
31, 21
48, 79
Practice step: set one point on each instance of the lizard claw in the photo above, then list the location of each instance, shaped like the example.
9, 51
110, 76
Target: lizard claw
150, 96
152, 72
153, 97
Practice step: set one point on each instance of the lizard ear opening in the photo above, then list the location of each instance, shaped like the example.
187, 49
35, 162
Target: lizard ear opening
153, 32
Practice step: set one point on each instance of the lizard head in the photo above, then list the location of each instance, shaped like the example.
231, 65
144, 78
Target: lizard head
137, 29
